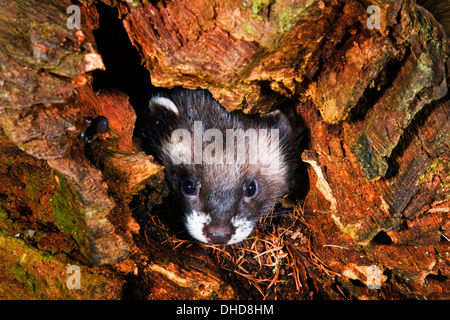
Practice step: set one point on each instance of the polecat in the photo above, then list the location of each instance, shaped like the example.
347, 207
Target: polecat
229, 168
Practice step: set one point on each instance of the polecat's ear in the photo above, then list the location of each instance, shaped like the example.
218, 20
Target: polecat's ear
277, 117
272, 114
159, 104
160, 116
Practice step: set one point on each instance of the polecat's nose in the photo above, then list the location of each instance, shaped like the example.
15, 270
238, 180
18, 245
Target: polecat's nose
218, 234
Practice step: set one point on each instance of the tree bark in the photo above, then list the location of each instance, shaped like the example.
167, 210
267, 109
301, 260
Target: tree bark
371, 89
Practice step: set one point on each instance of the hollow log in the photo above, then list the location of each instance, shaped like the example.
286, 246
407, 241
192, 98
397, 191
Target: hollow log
369, 79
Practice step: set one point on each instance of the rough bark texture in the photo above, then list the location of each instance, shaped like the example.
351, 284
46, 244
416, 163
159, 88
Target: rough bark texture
374, 102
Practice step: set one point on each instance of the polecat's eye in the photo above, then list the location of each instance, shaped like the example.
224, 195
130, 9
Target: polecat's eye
251, 189
189, 188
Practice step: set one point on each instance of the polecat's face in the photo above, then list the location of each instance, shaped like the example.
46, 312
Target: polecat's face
219, 213
228, 169
221, 204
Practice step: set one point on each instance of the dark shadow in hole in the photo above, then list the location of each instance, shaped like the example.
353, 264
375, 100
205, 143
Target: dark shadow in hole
381, 238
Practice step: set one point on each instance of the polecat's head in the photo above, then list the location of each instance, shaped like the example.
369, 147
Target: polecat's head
229, 169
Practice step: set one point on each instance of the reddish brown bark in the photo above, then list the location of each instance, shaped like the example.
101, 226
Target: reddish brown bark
373, 100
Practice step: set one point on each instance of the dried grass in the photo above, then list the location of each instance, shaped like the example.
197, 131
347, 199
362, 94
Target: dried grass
267, 260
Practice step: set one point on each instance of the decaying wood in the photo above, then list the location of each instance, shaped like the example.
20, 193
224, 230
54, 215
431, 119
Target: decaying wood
421, 79
37, 277
400, 207
247, 47
42, 71
374, 102
39, 224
